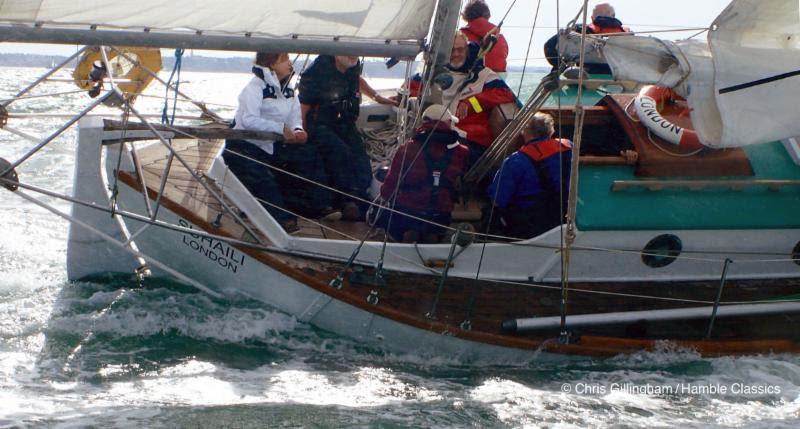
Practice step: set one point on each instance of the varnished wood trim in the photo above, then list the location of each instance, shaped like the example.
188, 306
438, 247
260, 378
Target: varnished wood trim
207, 133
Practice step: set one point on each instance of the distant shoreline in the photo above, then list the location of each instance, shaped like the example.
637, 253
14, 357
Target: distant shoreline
194, 63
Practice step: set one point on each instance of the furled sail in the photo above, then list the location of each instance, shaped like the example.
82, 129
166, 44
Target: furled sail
361, 22
741, 85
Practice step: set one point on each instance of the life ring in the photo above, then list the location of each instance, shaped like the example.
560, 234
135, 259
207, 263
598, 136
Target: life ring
647, 103
133, 72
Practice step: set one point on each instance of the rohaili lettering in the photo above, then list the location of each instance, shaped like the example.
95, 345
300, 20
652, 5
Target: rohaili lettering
216, 251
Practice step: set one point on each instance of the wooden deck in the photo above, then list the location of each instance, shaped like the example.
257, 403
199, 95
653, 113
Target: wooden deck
181, 188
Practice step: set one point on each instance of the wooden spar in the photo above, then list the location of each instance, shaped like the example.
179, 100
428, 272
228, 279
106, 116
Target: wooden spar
192, 132
539, 323
151, 38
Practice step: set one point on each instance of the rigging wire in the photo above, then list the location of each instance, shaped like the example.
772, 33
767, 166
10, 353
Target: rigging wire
28, 97
176, 72
473, 294
507, 12
528, 51
272, 249
403, 117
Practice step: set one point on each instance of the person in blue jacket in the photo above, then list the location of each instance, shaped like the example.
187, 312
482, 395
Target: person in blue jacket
529, 191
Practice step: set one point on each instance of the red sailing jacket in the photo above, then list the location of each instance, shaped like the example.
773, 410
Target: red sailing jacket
480, 97
606, 25
497, 57
479, 105
416, 190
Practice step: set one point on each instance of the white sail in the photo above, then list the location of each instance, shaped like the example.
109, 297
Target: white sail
741, 85
379, 21
371, 19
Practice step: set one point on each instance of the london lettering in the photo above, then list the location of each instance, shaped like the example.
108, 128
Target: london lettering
649, 108
216, 251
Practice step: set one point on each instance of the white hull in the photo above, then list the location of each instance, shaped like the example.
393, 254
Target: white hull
221, 267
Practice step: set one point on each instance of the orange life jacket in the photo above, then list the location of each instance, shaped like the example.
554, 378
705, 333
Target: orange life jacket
546, 148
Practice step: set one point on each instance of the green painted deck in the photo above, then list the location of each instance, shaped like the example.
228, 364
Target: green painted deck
715, 207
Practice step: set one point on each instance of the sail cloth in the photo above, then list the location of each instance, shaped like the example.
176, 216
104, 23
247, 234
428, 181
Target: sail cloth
359, 20
742, 85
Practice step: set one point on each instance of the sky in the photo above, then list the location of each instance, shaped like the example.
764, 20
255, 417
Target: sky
639, 15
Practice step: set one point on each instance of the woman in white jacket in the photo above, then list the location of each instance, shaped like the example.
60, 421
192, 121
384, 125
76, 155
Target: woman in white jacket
269, 104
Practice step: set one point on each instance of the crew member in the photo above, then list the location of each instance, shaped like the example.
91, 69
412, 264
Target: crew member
267, 104
529, 191
604, 21
330, 95
476, 14
428, 167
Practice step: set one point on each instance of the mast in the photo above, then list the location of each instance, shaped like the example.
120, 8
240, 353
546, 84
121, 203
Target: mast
444, 26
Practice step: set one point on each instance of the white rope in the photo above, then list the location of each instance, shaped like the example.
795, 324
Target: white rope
670, 153
381, 144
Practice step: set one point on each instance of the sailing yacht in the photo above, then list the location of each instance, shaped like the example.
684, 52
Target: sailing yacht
695, 244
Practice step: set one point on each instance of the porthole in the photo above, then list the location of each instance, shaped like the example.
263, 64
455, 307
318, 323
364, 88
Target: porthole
661, 251
796, 253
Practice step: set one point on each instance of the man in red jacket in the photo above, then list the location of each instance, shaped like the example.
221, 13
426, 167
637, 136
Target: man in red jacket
476, 14
604, 20
474, 92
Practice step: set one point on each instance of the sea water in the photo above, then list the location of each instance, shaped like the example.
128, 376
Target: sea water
118, 353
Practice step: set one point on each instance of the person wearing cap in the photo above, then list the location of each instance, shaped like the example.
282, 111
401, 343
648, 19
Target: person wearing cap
422, 178
529, 191
268, 104
476, 14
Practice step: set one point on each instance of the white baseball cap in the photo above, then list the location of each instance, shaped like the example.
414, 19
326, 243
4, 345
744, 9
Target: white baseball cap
437, 112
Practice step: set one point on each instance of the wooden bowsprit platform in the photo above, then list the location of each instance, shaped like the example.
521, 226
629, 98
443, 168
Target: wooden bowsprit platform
183, 194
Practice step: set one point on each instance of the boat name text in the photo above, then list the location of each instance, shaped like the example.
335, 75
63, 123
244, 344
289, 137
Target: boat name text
216, 251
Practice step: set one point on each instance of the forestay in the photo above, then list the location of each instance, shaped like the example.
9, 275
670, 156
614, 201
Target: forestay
378, 21
742, 85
